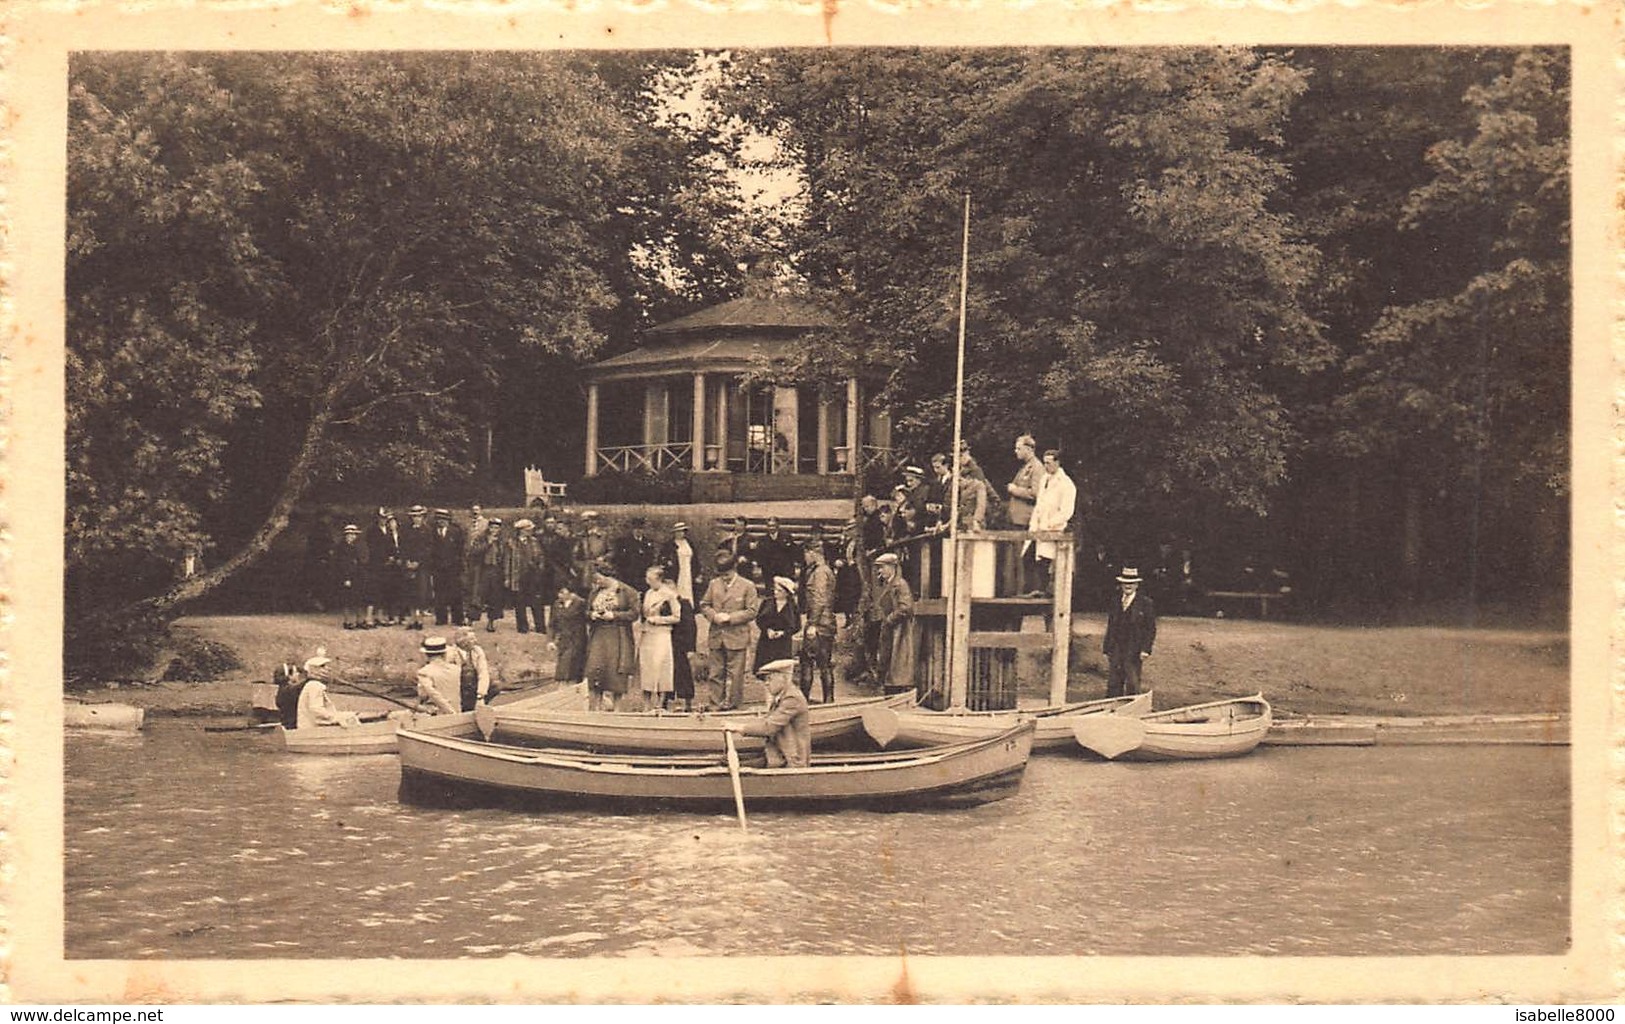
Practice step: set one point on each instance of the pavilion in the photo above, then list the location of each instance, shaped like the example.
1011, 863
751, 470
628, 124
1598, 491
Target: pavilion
681, 403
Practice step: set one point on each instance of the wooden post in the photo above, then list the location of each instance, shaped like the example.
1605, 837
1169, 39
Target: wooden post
854, 447
592, 429
959, 621
823, 436
722, 423
698, 419
1061, 619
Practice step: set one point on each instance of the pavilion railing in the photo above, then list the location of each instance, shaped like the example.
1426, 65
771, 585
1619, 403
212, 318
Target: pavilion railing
646, 458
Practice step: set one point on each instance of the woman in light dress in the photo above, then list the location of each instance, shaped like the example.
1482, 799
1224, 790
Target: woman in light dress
661, 611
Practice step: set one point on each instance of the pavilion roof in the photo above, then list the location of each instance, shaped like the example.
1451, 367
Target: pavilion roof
733, 336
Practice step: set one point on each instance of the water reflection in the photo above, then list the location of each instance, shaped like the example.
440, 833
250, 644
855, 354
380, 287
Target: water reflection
189, 844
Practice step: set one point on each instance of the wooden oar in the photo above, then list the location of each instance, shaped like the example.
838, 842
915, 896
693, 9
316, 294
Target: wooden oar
337, 680
365, 716
733, 773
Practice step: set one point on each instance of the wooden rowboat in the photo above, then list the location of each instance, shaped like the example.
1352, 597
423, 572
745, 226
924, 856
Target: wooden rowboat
444, 763
113, 717
366, 738
675, 732
914, 727
1221, 728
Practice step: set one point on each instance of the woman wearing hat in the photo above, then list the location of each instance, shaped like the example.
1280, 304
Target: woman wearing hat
486, 557
612, 657
778, 621
350, 577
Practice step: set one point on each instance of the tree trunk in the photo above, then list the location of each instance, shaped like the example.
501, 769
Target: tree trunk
294, 486
1410, 558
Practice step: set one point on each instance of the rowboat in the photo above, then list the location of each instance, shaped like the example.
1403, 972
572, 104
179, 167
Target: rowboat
113, 717
659, 732
1220, 728
379, 737
366, 738
914, 727
445, 763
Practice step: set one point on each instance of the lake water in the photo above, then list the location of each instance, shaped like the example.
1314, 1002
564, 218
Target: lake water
185, 844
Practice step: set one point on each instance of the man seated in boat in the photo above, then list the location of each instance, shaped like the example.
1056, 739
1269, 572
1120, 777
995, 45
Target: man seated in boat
316, 708
439, 681
787, 727
290, 683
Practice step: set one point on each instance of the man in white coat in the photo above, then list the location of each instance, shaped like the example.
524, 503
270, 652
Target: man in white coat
1052, 512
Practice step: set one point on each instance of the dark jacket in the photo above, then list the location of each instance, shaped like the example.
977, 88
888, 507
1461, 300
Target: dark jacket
1130, 630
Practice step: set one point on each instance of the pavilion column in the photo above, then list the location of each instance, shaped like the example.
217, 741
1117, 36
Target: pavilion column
722, 423
823, 436
854, 450
698, 430
592, 429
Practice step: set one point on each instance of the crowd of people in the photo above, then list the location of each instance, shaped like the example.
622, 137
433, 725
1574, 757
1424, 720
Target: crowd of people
653, 617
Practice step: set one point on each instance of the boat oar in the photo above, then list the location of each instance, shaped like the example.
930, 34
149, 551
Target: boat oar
338, 680
733, 773
485, 717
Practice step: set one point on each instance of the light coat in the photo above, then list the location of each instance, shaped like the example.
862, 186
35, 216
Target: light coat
788, 729
1052, 512
731, 603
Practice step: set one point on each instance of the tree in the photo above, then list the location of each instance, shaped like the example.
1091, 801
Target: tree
1467, 382
285, 268
1135, 292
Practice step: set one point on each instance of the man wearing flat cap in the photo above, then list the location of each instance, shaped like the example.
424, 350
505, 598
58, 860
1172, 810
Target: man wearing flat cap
787, 726
729, 605
522, 577
892, 612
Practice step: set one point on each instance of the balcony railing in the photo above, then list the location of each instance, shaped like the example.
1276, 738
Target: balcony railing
646, 458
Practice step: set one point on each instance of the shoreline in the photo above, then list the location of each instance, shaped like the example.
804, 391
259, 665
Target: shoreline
1395, 672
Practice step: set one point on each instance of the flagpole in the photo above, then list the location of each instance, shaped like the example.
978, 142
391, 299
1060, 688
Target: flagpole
954, 461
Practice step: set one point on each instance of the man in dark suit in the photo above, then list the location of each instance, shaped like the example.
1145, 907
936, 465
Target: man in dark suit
634, 553
446, 545
775, 553
1131, 629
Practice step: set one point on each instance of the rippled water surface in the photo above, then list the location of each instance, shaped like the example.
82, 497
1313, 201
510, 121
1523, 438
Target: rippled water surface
183, 844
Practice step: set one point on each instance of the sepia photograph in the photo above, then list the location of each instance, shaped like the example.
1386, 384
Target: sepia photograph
702, 515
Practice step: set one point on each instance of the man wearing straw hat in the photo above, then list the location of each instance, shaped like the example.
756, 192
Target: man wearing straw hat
788, 724
1131, 629
438, 680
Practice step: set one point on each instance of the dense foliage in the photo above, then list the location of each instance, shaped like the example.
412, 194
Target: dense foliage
1315, 296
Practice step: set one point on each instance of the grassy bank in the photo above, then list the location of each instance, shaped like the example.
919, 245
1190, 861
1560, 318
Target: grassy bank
1300, 668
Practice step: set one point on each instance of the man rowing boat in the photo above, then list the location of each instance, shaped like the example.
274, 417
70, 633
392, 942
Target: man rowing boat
788, 725
439, 681
316, 708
